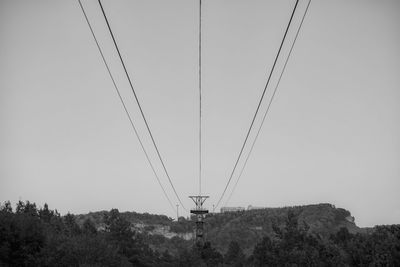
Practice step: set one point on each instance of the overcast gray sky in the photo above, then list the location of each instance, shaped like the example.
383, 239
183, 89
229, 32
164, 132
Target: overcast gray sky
332, 134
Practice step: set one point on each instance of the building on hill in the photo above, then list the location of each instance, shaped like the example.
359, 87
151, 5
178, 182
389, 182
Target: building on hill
232, 209
250, 207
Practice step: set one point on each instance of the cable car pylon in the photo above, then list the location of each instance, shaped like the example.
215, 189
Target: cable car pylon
199, 212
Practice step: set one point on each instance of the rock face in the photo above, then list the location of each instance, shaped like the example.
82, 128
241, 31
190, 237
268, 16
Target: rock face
165, 231
246, 227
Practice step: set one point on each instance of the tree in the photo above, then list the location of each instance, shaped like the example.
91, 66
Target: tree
234, 256
45, 214
210, 255
6, 207
22, 235
88, 227
117, 227
129, 243
264, 253
71, 227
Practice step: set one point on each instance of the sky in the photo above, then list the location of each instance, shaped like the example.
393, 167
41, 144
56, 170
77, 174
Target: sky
332, 134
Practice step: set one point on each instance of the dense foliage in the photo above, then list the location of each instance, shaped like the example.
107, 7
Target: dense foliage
245, 227
249, 227
32, 236
41, 237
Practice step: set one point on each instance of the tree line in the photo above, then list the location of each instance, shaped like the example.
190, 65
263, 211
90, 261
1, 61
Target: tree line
32, 236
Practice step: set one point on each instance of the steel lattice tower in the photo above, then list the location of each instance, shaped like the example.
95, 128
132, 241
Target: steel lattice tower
199, 212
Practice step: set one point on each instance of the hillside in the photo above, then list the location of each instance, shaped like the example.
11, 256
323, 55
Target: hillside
248, 227
245, 227
313, 235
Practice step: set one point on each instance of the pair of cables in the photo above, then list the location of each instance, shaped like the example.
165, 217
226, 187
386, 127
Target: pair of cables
137, 101
259, 104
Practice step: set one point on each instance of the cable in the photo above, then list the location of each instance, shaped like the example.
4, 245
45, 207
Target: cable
269, 104
258, 106
140, 107
123, 104
200, 97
